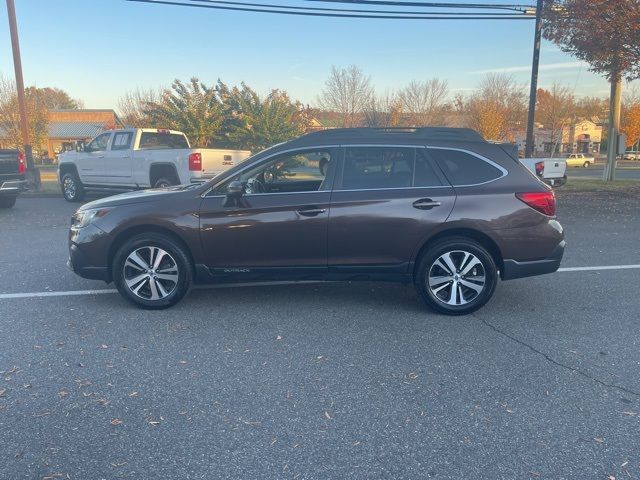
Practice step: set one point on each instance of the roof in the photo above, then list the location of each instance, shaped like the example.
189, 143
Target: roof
395, 134
75, 129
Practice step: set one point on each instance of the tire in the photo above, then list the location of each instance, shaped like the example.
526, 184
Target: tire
586, 164
164, 182
139, 281
7, 202
72, 188
456, 294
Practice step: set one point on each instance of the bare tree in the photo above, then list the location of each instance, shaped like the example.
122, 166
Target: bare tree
497, 109
347, 92
135, 104
425, 102
383, 111
555, 110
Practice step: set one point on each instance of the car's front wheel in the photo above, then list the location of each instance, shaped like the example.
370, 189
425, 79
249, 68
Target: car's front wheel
586, 164
72, 188
456, 276
152, 270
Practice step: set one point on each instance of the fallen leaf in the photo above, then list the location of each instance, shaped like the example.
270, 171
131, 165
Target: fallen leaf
629, 413
599, 439
116, 421
104, 346
2, 392
328, 415
279, 337
133, 394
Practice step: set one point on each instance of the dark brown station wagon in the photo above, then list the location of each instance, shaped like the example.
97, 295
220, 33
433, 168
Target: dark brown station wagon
439, 207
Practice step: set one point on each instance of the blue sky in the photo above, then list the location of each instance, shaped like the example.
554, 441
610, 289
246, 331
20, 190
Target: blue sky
98, 49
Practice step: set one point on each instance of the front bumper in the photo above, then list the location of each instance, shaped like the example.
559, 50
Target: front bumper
514, 269
88, 249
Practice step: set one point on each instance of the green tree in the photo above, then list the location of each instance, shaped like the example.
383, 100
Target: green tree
261, 122
192, 108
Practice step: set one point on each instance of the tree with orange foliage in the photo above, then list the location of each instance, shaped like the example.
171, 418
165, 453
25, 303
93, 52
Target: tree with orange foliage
631, 124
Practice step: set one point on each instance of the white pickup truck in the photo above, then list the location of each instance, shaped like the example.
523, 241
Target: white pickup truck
552, 171
137, 158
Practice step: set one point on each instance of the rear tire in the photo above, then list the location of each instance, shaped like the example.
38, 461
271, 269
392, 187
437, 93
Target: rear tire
72, 188
586, 164
153, 271
456, 276
163, 183
7, 202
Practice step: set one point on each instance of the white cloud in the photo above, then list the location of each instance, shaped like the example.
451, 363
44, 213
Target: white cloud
527, 68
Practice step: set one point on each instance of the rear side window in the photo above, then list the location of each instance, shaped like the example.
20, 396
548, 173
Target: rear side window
121, 141
462, 168
162, 140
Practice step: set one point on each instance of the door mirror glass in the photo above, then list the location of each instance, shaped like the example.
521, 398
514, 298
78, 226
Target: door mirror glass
235, 189
80, 146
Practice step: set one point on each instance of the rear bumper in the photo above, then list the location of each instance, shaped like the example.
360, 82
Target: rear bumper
514, 269
12, 187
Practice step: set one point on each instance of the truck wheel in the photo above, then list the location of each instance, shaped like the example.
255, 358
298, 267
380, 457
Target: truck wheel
456, 276
7, 202
163, 183
72, 188
152, 270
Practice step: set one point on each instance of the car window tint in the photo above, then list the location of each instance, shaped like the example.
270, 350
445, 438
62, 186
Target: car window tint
162, 140
462, 168
303, 171
377, 167
424, 175
99, 143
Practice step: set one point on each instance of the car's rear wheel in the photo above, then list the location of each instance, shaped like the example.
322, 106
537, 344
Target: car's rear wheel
72, 188
163, 183
152, 270
586, 164
456, 276
7, 202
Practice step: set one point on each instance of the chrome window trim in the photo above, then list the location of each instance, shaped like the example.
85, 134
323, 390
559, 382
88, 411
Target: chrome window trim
477, 155
390, 188
382, 145
265, 159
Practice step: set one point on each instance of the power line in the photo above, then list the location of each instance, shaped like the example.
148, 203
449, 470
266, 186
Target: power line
496, 6
342, 10
389, 16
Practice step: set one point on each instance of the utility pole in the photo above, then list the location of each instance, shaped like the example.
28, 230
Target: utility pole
528, 149
33, 174
614, 127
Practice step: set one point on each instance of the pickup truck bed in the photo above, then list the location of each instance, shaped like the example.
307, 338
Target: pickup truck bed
552, 171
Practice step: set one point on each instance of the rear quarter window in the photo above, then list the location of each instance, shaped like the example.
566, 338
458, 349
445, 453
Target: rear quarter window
162, 140
462, 168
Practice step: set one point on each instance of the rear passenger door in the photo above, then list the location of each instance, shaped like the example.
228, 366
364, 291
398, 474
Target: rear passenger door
386, 202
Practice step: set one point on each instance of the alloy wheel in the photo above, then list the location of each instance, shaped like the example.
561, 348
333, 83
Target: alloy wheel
151, 273
69, 186
456, 278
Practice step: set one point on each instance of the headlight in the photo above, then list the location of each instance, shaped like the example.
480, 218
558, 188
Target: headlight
82, 218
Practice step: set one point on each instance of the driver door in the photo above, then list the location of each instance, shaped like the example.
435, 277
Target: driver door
91, 167
278, 227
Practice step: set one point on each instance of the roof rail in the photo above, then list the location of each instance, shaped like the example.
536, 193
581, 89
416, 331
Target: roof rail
421, 133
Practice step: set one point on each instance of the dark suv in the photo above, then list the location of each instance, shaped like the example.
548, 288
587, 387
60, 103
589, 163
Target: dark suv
439, 207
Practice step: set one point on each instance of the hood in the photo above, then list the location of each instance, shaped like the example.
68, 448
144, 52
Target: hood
139, 196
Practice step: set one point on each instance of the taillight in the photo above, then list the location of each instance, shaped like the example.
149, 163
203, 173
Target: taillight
539, 168
195, 161
544, 202
21, 166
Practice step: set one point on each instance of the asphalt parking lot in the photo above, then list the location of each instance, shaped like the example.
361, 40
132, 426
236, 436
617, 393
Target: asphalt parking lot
322, 381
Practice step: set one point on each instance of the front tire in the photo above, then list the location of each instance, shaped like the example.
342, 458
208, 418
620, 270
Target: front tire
586, 164
72, 188
7, 202
153, 271
456, 276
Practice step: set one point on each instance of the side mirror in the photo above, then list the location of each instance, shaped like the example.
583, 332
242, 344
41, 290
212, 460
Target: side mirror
80, 147
235, 189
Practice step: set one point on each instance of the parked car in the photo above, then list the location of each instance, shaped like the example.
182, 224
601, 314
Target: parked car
12, 182
439, 207
131, 159
552, 171
580, 160
631, 156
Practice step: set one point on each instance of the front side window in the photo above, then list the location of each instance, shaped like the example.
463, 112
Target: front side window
121, 141
288, 173
377, 167
462, 168
99, 144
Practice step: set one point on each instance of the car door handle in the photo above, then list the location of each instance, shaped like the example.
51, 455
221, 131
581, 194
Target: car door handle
100, 156
311, 211
425, 204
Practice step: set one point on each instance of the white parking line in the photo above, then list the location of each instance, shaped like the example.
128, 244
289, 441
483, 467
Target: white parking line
70, 293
